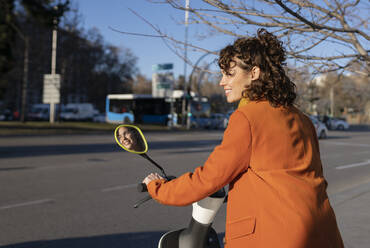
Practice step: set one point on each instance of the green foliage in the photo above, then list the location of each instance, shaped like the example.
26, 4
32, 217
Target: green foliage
7, 37
45, 11
90, 69
42, 11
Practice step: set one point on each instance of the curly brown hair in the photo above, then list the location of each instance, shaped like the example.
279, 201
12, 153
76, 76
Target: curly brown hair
266, 52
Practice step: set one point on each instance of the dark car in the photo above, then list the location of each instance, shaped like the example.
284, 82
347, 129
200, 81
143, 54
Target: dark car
6, 115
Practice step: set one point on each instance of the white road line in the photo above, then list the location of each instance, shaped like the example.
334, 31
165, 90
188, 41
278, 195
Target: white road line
365, 152
333, 155
23, 204
120, 187
353, 165
347, 144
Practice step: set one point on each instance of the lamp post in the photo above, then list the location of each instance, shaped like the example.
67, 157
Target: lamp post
190, 81
51, 89
53, 61
184, 109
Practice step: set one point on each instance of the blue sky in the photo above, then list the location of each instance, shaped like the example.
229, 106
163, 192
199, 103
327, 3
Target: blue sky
116, 14
102, 14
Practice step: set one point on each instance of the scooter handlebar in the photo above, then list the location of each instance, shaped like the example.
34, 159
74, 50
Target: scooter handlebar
141, 187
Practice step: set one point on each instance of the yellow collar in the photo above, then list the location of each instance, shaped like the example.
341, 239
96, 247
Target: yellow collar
243, 102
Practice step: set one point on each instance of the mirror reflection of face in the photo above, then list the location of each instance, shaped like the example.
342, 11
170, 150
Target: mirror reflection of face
125, 137
131, 139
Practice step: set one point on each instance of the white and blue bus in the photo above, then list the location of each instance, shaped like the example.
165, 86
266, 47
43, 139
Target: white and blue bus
146, 109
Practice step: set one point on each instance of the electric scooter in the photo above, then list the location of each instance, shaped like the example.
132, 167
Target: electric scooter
199, 233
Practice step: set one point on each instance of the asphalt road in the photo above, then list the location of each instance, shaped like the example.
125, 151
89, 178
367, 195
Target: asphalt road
78, 190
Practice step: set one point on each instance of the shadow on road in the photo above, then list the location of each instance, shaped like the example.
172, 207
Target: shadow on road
47, 150
359, 128
126, 240
16, 168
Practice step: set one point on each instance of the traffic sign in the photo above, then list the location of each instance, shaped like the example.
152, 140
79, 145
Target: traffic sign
51, 92
162, 67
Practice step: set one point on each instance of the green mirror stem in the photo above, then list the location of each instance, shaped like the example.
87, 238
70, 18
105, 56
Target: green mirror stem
156, 165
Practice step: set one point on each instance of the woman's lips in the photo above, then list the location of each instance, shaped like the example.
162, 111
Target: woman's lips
227, 92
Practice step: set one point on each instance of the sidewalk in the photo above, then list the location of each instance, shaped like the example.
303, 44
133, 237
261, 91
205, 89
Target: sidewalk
352, 209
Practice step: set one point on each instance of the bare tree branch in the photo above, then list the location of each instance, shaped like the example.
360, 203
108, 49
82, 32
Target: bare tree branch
306, 27
136, 34
317, 26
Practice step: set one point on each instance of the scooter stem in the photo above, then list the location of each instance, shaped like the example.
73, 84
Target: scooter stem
156, 165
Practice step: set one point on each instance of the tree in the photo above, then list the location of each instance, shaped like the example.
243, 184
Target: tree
306, 27
7, 36
42, 11
142, 85
307, 90
179, 83
90, 69
339, 93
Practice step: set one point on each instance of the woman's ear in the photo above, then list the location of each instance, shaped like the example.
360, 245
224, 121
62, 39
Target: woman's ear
255, 73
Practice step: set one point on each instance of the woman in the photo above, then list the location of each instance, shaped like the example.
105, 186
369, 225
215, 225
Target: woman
269, 156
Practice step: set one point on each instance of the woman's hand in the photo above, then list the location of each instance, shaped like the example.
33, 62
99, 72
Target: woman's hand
151, 177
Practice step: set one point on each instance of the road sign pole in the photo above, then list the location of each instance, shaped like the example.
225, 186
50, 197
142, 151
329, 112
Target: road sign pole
53, 65
52, 110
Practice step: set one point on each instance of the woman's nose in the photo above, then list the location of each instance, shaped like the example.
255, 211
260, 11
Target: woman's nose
222, 81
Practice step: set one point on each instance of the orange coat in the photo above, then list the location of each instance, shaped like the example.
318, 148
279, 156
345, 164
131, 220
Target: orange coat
277, 193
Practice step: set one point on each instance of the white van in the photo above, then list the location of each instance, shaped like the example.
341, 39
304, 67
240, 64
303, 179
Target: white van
78, 112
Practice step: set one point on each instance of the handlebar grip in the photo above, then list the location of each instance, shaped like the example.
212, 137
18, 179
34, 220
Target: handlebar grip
141, 187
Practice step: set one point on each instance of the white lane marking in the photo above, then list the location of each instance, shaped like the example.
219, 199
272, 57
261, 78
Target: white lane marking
347, 144
353, 165
23, 204
119, 187
333, 155
365, 152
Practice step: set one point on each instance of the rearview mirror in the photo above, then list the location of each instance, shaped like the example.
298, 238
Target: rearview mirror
131, 139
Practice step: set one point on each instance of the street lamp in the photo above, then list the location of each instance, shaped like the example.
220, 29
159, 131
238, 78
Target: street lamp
184, 114
189, 85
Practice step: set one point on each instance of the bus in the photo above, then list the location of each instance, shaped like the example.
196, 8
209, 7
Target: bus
146, 109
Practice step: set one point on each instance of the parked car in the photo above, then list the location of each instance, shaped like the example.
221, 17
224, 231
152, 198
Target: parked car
99, 117
39, 112
321, 130
338, 124
333, 123
6, 115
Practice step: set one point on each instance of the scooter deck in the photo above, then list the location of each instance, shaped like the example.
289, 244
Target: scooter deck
171, 240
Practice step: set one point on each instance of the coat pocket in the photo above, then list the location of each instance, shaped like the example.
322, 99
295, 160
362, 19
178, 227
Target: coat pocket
241, 227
